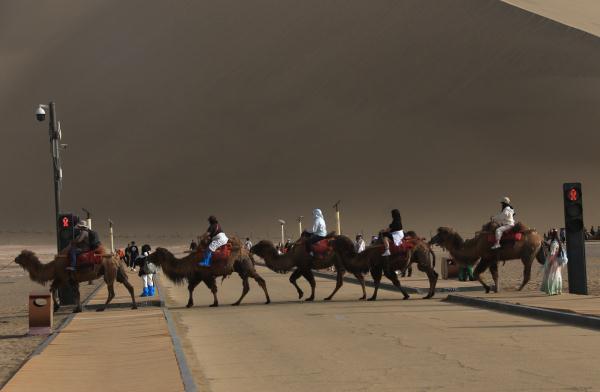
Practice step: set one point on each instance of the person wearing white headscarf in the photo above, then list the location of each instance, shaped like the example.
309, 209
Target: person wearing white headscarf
319, 229
505, 220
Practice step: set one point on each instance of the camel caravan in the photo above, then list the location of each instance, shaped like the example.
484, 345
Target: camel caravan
218, 255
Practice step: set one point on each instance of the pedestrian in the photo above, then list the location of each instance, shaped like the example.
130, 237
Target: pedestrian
374, 239
557, 258
147, 271
128, 255
193, 245
248, 243
360, 244
133, 255
288, 245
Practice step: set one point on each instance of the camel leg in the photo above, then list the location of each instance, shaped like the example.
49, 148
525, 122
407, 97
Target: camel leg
361, 280
111, 294
494, 272
391, 275
245, 289
293, 278
54, 293
338, 283
308, 275
481, 267
262, 283
376, 273
75, 286
432, 276
211, 283
526, 272
122, 278
191, 286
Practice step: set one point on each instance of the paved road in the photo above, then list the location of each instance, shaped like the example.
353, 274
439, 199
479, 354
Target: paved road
347, 345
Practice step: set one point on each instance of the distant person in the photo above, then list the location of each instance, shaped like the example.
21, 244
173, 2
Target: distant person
505, 220
134, 252
193, 245
128, 254
217, 239
552, 280
147, 271
360, 244
318, 232
393, 232
563, 235
592, 231
248, 243
374, 239
288, 245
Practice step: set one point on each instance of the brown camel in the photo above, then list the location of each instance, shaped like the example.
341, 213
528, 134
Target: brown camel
187, 268
371, 260
467, 252
297, 257
111, 268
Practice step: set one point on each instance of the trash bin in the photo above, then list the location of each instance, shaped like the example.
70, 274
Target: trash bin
40, 313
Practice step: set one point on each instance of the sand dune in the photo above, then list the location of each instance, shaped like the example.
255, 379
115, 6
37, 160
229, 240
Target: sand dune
258, 110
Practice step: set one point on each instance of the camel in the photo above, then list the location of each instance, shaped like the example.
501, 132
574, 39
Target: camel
298, 258
371, 260
467, 252
187, 268
110, 268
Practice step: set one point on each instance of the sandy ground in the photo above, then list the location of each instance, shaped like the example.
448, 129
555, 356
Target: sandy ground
15, 285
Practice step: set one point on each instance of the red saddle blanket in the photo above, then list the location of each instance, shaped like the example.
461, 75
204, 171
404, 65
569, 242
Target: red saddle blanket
91, 257
508, 235
222, 253
322, 248
407, 244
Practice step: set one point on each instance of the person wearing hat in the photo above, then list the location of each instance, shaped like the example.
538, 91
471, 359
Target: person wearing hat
217, 239
505, 220
80, 244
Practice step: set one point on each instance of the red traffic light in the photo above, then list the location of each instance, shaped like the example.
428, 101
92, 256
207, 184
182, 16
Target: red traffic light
573, 194
65, 222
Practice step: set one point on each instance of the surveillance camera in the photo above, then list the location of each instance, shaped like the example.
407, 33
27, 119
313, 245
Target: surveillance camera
40, 113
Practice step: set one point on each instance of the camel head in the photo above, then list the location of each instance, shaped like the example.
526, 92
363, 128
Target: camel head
264, 249
446, 237
159, 256
26, 258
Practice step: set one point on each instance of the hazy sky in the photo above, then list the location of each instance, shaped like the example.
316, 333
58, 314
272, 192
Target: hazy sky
259, 110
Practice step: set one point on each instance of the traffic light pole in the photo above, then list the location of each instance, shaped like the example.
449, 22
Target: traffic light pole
574, 225
54, 142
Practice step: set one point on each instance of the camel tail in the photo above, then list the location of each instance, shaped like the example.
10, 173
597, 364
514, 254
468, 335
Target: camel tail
541, 255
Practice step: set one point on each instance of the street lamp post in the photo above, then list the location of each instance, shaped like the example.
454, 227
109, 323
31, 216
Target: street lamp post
337, 217
282, 223
110, 233
300, 225
55, 136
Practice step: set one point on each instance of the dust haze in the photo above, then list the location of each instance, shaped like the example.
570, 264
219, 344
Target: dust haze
259, 110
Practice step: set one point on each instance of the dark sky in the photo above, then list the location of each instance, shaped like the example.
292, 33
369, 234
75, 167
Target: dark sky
258, 110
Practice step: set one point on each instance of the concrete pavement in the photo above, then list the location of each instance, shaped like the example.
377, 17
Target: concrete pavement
347, 345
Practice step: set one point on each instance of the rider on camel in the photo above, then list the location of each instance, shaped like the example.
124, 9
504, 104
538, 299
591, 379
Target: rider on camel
505, 220
80, 244
319, 230
394, 232
217, 239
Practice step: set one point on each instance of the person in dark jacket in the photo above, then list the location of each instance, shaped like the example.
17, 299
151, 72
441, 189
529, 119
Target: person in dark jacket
394, 232
217, 239
134, 252
80, 244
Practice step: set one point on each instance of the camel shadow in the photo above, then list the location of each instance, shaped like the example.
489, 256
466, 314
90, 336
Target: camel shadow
5, 337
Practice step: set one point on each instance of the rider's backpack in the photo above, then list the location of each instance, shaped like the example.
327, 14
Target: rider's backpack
94, 240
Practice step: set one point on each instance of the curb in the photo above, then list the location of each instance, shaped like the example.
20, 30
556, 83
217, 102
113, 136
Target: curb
529, 311
189, 384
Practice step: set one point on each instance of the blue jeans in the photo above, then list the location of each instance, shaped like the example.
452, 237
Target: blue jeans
74, 252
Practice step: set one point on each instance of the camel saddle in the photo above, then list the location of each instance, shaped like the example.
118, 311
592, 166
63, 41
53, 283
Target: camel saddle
507, 236
91, 257
222, 253
322, 248
405, 246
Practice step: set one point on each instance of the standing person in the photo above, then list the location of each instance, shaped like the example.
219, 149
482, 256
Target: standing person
217, 239
248, 243
552, 280
505, 220
133, 255
319, 230
147, 271
394, 232
128, 255
288, 245
360, 244
193, 245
